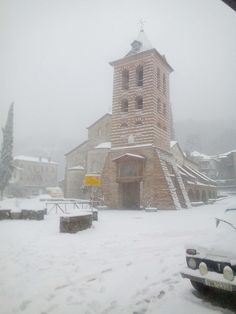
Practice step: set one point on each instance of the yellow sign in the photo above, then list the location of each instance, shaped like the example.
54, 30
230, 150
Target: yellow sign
92, 180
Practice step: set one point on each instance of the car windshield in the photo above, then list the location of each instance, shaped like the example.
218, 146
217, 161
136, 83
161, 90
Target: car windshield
229, 218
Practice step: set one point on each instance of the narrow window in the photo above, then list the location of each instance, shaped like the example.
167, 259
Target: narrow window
124, 125
159, 125
139, 103
158, 105
164, 109
125, 79
139, 75
158, 78
124, 105
99, 132
164, 83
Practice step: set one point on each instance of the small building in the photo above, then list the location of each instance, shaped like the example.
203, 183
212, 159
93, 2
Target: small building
199, 186
34, 174
220, 167
87, 158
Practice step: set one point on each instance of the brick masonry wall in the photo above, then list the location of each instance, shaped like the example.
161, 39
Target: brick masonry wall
155, 127
154, 190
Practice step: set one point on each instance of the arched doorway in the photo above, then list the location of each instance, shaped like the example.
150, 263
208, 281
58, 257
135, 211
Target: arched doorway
197, 195
204, 196
191, 195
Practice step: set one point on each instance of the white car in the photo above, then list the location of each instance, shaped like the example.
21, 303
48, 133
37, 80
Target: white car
214, 265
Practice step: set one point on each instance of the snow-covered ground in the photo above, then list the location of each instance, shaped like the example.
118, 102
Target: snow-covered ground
129, 262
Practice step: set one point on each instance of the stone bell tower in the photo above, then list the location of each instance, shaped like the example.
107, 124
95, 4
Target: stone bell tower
136, 173
141, 106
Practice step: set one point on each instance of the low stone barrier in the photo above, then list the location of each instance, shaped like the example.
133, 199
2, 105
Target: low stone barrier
73, 224
5, 214
32, 214
23, 214
16, 215
95, 215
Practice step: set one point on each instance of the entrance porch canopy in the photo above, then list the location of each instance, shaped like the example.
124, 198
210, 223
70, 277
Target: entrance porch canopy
129, 168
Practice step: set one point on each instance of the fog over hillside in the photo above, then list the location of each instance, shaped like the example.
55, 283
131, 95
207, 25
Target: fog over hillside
209, 137
204, 136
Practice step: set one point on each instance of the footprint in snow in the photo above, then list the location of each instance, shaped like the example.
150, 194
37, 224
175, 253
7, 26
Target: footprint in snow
161, 294
106, 270
166, 280
24, 304
171, 288
61, 287
91, 279
50, 297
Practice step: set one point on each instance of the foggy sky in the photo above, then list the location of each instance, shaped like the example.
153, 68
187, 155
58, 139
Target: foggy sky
55, 54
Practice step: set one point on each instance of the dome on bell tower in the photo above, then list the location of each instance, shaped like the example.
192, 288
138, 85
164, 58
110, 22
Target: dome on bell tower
140, 44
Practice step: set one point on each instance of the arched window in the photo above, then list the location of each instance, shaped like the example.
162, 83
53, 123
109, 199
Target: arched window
124, 105
125, 79
158, 78
197, 195
139, 102
138, 122
124, 125
204, 196
139, 75
191, 195
164, 83
99, 132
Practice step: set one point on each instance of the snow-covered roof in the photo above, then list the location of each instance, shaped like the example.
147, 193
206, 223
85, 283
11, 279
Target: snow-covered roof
185, 172
133, 146
108, 114
172, 143
199, 174
215, 157
76, 168
35, 159
200, 155
224, 155
104, 145
129, 155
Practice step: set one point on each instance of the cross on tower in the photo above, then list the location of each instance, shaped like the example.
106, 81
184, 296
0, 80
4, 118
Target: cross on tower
141, 23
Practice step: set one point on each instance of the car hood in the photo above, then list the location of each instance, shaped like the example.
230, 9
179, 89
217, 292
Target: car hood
219, 248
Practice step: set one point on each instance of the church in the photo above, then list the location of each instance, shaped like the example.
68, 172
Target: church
130, 149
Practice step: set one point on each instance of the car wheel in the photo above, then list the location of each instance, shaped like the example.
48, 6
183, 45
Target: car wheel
199, 286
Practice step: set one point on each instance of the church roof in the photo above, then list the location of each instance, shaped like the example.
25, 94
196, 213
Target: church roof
140, 44
104, 116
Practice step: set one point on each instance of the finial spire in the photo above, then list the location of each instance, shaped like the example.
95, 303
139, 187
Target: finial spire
141, 23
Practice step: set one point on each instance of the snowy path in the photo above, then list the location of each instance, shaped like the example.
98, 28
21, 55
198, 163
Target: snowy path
129, 262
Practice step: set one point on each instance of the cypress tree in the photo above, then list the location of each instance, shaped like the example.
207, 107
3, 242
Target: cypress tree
6, 155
